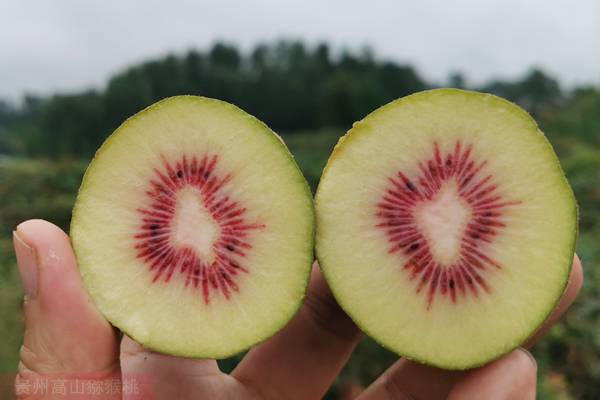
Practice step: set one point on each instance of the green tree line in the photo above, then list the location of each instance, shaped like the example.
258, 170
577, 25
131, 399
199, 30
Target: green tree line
287, 84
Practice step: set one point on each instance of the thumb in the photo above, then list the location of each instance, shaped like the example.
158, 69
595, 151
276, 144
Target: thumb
64, 334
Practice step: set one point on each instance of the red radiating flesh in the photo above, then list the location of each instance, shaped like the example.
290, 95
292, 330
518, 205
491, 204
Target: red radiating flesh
395, 215
165, 259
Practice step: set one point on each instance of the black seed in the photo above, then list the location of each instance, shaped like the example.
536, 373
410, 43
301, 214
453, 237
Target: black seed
154, 226
487, 214
410, 186
451, 284
469, 280
413, 247
206, 174
230, 247
180, 174
475, 236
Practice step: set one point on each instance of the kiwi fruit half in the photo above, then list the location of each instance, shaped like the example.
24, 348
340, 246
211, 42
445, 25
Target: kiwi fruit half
193, 229
446, 227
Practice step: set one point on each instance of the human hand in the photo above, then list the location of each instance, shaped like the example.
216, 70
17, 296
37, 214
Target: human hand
65, 336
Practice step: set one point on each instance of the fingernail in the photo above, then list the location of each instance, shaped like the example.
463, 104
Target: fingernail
27, 260
528, 354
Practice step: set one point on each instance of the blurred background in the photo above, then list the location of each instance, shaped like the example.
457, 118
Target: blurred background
70, 72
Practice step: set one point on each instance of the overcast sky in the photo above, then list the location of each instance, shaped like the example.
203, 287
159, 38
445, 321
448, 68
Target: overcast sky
61, 46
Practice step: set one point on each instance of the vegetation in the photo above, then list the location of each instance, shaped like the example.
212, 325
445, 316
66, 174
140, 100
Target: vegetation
312, 96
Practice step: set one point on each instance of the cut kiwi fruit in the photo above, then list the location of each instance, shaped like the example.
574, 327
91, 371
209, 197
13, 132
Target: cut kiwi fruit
446, 227
193, 229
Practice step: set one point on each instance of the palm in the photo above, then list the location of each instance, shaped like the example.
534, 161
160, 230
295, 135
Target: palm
66, 336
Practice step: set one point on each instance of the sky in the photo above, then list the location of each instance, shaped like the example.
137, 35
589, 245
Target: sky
69, 45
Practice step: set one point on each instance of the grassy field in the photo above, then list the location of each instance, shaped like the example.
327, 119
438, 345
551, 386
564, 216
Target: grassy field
569, 357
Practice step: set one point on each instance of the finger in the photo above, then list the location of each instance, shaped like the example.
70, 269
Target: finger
571, 291
410, 380
425, 382
304, 358
64, 333
348, 390
512, 377
161, 376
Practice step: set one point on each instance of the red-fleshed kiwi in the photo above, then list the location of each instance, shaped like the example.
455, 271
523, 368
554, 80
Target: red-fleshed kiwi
446, 227
193, 229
